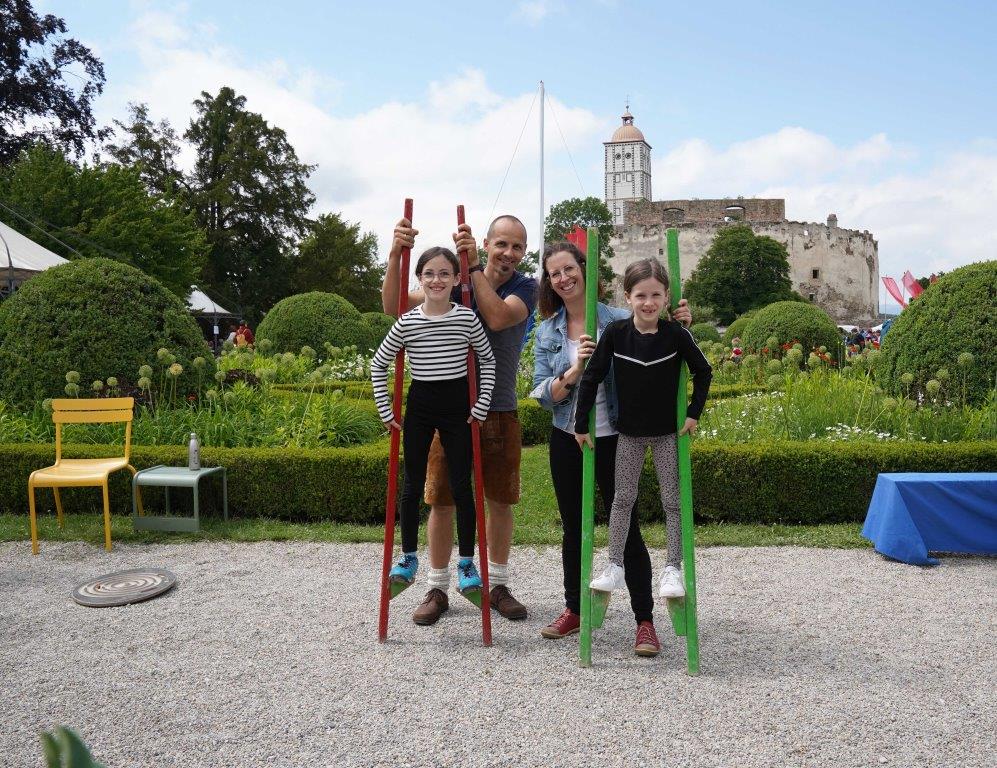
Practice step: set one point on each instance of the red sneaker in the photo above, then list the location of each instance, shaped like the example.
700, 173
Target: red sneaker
566, 624
647, 640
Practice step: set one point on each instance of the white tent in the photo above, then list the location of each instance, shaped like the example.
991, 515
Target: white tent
28, 256
25, 253
199, 301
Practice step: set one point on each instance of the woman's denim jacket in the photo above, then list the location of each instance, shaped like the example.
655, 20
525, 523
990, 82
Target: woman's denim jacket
551, 360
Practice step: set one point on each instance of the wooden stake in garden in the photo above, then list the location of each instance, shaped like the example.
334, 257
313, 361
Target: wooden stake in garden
389, 588
481, 598
683, 609
588, 458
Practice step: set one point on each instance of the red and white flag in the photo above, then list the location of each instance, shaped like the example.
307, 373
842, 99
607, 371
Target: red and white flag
894, 290
913, 287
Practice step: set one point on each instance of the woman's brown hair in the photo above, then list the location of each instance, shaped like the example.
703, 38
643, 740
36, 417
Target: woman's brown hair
548, 302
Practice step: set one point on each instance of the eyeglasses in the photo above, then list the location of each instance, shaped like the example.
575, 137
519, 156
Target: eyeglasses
430, 276
569, 271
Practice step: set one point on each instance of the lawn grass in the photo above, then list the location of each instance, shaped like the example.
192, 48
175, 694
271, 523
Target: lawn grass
537, 524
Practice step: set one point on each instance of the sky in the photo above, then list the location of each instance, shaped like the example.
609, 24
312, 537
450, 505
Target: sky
883, 113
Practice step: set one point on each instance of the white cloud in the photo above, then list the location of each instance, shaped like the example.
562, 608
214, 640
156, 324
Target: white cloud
535, 11
453, 143
450, 145
925, 220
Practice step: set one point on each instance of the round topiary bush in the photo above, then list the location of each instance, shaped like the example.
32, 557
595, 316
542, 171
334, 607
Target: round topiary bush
953, 317
378, 325
704, 332
312, 319
100, 318
791, 321
736, 329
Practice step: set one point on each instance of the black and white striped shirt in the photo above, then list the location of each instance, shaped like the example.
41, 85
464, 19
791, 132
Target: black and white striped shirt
436, 348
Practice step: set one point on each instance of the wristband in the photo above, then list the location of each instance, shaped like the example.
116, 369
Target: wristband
475, 268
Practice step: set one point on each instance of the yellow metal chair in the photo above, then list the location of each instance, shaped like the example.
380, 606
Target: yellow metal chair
68, 473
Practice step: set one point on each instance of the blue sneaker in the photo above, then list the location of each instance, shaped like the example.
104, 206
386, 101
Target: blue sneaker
405, 569
467, 575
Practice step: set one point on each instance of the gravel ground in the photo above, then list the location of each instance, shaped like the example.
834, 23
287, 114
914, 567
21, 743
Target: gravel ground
265, 655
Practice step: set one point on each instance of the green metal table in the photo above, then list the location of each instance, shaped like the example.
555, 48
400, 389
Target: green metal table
174, 477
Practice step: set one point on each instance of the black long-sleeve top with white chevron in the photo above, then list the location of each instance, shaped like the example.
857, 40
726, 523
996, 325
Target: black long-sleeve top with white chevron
646, 372
436, 347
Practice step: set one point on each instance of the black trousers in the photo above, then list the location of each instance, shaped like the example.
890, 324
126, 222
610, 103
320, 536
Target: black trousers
566, 472
438, 406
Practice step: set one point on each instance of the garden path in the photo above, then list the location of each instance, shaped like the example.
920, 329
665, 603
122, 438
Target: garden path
265, 655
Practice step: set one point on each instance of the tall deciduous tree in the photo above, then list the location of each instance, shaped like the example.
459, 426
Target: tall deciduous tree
583, 212
740, 271
249, 194
37, 101
152, 147
336, 257
102, 210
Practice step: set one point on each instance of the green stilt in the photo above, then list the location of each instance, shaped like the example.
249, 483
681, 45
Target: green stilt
397, 587
683, 610
474, 595
600, 604
588, 462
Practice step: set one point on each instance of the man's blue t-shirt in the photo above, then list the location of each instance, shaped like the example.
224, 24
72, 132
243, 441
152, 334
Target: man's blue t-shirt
507, 344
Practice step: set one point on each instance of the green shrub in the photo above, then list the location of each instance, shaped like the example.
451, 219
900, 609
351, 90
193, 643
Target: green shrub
534, 421
704, 332
378, 325
954, 316
100, 318
779, 482
312, 319
736, 329
793, 321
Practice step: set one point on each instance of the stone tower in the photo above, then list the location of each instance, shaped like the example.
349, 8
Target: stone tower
628, 167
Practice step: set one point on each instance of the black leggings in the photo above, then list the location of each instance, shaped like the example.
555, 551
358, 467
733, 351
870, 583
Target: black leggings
566, 472
438, 406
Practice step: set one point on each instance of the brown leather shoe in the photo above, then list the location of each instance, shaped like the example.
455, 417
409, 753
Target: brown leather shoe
433, 606
502, 601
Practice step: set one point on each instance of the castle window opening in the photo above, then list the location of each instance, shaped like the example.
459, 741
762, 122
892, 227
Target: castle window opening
806, 233
734, 213
816, 273
661, 251
812, 296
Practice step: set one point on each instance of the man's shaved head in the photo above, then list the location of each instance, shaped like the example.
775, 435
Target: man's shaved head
504, 217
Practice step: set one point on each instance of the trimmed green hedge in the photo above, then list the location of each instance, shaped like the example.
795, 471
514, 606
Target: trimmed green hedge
793, 320
791, 483
313, 319
953, 317
97, 317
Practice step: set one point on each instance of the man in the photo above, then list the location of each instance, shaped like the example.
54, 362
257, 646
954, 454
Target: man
504, 299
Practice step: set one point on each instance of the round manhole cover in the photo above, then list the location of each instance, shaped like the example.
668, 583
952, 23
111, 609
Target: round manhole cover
124, 587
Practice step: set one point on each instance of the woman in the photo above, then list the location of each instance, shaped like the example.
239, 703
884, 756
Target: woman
560, 349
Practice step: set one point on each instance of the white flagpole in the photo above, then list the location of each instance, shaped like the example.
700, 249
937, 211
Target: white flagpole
541, 238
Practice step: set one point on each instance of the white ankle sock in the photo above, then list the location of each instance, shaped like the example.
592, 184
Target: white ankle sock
439, 578
498, 574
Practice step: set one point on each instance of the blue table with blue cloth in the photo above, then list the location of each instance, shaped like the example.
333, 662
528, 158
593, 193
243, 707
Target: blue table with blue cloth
913, 513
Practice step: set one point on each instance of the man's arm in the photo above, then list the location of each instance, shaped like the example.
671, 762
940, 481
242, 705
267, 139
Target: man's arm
498, 313
404, 236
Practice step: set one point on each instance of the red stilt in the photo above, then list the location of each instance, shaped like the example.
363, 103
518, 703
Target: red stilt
390, 503
479, 479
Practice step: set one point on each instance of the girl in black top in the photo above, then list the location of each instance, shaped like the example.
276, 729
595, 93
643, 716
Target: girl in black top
645, 353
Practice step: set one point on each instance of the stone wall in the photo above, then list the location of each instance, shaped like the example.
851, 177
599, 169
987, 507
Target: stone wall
846, 261
646, 213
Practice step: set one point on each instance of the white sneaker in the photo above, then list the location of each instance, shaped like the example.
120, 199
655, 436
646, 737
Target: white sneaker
611, 579
671, 584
